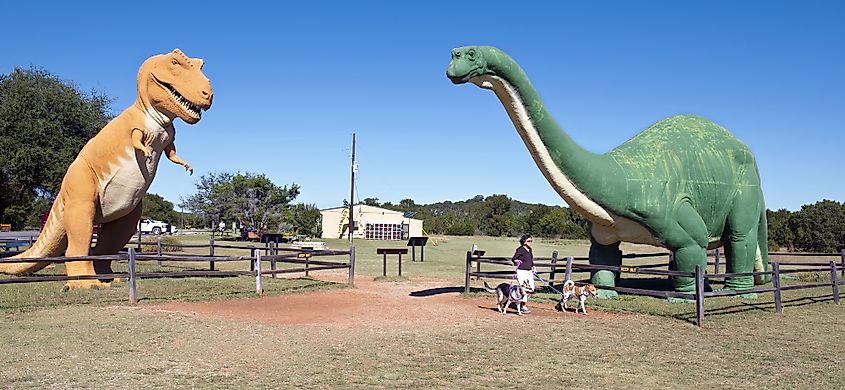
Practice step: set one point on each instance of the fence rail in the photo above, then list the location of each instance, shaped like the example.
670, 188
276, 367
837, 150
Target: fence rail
551, 267
274, 255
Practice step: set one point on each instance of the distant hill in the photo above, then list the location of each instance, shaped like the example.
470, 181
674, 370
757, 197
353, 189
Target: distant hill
494, 215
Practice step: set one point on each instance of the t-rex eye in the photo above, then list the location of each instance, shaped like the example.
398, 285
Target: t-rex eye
174, 62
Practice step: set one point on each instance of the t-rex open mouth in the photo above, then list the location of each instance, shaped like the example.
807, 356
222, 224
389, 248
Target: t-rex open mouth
192, 108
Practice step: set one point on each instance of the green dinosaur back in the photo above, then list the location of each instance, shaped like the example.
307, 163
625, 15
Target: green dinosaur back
683, 156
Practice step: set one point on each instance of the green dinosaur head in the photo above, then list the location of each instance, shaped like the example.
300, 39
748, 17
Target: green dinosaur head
470, 61
174, 84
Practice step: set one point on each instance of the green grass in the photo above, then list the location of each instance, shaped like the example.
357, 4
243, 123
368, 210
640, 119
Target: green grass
85, 339
78, 347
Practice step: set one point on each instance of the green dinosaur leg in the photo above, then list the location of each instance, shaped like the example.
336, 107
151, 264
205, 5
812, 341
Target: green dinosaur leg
604, 255
761, 260
741, 244
689, 236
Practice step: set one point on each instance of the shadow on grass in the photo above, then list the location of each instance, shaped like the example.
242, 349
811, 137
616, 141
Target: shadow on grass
769, 307
441, 290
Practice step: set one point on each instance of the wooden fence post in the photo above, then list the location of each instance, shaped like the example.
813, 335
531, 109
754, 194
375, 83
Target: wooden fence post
133, 297
211, 251
478, 269
307, 259
699, 295
384, 263
671, 263
554, 268
273, 252
252, 263
834, 282
468, 269
158, 249
717, 258
776, 285
258, 289
842, 262
352, 265
568, 274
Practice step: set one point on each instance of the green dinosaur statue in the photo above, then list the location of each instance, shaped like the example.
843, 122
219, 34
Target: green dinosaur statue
685, 183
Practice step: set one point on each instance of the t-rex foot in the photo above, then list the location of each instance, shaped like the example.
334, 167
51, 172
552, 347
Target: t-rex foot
92, 284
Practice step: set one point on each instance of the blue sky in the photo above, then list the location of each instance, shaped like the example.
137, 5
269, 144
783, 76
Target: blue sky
293, 81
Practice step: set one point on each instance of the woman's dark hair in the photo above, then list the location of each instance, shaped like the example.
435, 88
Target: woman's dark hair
524, 238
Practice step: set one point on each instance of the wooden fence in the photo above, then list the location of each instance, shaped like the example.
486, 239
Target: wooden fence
553, 267
309, 260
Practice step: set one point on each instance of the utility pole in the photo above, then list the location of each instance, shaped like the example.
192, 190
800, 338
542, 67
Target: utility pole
352, 193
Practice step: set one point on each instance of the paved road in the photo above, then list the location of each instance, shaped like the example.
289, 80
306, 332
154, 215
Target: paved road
20, 235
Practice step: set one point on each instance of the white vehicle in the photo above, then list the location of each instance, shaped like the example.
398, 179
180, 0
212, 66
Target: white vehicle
151, 226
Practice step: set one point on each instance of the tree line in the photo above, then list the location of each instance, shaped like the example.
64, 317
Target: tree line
494, 215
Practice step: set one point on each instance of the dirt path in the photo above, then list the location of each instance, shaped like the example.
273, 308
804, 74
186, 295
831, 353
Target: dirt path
370, 304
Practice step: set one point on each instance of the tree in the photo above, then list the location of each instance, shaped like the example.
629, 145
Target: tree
250, 198
559, 223
461, 228
44, 123
371, 202
497, 217
305, 218
407, 205
156, 207
780, 233
819, 227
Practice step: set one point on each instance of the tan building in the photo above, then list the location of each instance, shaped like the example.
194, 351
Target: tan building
372, 223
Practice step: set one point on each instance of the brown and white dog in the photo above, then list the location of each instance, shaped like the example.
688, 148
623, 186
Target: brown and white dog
570, 291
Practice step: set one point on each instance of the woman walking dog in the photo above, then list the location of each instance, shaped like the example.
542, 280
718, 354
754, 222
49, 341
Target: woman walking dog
523, 259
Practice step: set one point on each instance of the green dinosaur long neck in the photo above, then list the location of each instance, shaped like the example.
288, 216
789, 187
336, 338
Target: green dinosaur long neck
574, 172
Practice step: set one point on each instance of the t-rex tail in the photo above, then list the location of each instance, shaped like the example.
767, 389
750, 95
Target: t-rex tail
51, 242
761, 259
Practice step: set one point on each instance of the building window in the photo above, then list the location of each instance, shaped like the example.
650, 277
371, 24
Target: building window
383, 231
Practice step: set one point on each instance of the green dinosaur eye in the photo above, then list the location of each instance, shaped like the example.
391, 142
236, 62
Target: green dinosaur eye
471, 54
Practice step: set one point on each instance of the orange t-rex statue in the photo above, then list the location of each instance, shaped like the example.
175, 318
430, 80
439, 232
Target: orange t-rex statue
107, 181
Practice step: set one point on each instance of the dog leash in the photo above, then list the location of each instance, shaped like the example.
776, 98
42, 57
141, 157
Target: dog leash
549, 284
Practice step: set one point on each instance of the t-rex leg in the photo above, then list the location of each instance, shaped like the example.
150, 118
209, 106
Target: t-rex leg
604, 255
113, 237
80, 194
741, 241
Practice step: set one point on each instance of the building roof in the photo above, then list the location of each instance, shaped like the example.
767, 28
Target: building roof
365, 209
